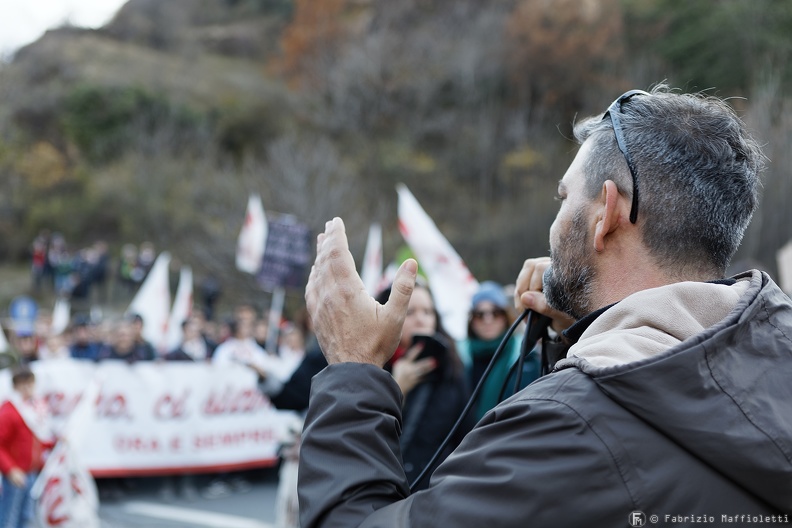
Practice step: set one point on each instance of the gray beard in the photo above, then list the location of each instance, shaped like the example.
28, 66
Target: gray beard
567, 283
570, 291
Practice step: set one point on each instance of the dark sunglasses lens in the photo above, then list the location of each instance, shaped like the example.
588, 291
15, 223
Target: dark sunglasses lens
481, 314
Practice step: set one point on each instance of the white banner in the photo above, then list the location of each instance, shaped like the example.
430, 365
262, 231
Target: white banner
64, 494
163, 417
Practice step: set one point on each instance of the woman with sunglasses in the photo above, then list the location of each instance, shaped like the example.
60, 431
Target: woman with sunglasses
487, 324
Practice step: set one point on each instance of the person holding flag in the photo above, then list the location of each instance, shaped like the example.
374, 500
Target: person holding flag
25, 436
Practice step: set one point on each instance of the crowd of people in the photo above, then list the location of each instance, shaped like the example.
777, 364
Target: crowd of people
68, 273
435, 389
670, 393
239, 338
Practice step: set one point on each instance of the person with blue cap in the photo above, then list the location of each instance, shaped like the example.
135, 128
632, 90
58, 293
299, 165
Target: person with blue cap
488, 321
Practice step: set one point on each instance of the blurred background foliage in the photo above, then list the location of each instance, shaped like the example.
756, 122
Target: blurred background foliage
158, 125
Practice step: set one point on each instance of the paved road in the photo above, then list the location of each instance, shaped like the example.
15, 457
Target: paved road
144, 506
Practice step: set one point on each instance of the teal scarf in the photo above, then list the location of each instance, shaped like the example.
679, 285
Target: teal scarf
490, 392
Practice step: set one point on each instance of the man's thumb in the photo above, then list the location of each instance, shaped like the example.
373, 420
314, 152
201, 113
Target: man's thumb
403, 285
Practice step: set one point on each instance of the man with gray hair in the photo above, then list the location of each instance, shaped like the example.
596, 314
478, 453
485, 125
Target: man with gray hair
673, 405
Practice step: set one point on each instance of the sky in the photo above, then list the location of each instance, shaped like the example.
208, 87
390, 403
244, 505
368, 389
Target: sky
24, 21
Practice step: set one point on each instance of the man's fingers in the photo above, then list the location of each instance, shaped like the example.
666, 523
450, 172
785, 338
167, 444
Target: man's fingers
310, 290
530, 279
535, 301
333, 255
538, 303
401, 291
536, 277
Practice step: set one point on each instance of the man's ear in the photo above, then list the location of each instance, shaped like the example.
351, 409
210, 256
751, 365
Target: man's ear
608, 220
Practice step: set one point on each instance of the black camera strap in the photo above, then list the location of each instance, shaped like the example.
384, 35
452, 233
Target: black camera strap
535, 323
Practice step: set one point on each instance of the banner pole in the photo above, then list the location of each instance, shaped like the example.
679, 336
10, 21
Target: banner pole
276, 310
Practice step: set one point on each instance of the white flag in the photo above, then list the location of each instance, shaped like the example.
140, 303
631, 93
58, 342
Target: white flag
152, 302
784, 260
449, 278
182, 308
252, 237
372, 260
64, 492
61, 314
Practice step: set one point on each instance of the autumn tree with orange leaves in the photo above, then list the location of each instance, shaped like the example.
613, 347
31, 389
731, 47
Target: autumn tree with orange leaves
312, 40
563, 54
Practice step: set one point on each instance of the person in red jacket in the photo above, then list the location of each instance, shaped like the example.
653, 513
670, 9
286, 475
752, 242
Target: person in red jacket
24, 438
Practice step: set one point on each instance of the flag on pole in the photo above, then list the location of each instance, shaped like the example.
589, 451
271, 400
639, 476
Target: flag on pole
152, 303
449, 278
252, 237
64, 492
372, 260
182, 308
61, 314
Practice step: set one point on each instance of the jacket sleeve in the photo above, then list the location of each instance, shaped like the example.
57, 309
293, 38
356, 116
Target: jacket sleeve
7, 427
350, 460
293, 395
516, 468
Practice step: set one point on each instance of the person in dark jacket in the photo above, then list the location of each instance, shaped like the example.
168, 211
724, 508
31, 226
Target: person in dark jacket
194, 345
673, 405
84, 345
434, 388
125, 347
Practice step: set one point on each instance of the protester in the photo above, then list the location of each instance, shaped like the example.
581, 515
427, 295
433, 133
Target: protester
124, 345
488, 322
145, 261
292, 347
60, 262
83, 341
38, 266
143, 348
100, 270
240, 349
291, 395
210, 291
433, 387
128, 276
25, 436
674, 398
25, 345
261, 331
54, 347
194, 346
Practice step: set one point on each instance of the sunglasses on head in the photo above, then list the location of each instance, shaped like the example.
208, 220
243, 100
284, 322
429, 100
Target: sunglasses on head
614, 111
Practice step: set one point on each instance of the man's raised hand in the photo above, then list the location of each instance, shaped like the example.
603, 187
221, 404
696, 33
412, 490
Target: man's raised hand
349, 325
